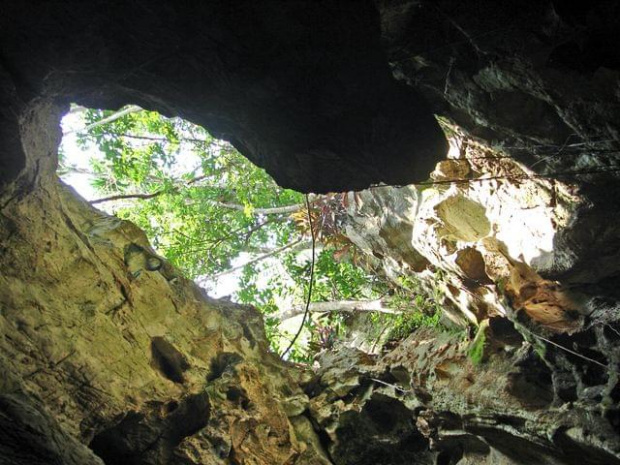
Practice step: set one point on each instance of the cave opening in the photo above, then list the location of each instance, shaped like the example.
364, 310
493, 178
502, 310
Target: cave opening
224, 222
446, 298
220, 220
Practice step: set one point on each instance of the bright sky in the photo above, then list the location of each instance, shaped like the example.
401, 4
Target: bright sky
81, 182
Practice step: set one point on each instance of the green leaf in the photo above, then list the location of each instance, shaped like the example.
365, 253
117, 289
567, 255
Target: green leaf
193, 174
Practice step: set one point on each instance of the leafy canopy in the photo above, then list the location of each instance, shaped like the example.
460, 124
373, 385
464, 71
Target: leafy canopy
206, 208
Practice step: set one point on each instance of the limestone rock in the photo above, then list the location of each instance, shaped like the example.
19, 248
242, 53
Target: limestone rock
544, 353
427, 402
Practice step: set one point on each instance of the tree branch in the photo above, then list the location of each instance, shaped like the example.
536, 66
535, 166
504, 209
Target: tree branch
264, 250
260, 258
340, 306
113, 117
231, 206
127, 196
157, 139
71, 169
261, 211
208, 244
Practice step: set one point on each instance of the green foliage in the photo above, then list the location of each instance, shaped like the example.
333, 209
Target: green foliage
476, 351
192, 177
477, 347
419, 307
334, 280
540, 349
203, 206
407, 322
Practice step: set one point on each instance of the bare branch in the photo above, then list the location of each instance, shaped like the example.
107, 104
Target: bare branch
127, 196
158, 139
261, 211
260, 258
231, 206
70, 169
341, 306
300, 247
113, 117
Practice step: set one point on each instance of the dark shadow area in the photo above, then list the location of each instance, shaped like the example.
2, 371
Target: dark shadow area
223, 362
396, 440
168, 360
150, 437
303, 89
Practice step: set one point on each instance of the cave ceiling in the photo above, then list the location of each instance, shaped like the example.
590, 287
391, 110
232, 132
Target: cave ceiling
303, 89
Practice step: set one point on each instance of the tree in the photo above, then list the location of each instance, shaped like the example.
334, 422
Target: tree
211, 212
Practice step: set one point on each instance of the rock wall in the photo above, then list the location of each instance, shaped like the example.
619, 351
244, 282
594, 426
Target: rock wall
110, 355
481, 217
535, 71
539, 79
545, 353
427, 403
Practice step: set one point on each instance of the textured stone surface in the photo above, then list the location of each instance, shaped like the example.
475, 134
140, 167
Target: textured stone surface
143, 368
545, 354
497, 226
31, 435
427, 403
536, 70
539, 78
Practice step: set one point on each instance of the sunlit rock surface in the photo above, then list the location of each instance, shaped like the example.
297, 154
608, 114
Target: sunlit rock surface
138, 365
543, 355
481, 217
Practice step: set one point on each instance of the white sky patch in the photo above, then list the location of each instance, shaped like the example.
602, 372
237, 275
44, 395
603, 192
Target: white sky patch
77, 157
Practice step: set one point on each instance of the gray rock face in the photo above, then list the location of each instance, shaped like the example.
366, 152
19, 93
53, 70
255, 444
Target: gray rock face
536, 71
539, 78
31, 435
426, 403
